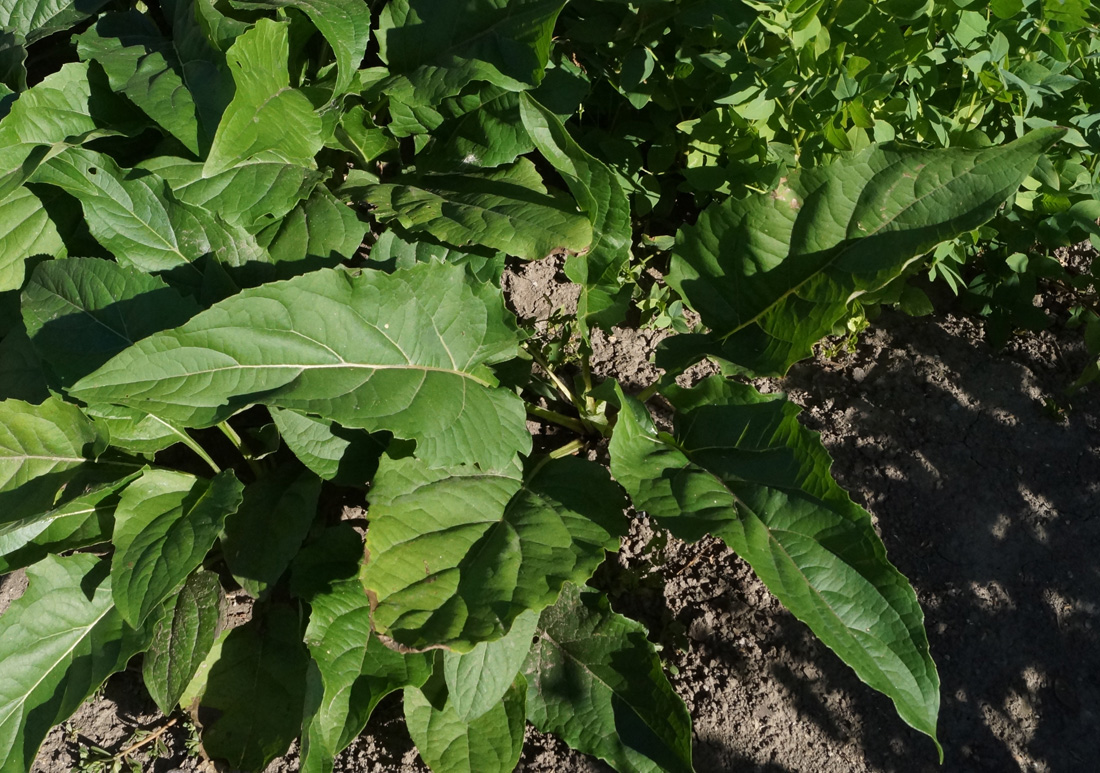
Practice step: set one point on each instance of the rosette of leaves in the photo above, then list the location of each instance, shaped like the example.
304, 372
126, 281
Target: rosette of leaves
197, 360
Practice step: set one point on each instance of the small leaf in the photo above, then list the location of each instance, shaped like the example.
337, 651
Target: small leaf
504, 209
456, 554
478, 680
183, 637
772, 273
319, 232
165, 524
741, 467
405, 352
596, 682
41, 449
58, 643
251, 708
264, 534
267, 118
25, 230
491, 743
353, 671
81, 312
348, 457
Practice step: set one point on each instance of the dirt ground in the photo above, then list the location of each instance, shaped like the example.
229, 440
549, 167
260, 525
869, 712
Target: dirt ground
985, 497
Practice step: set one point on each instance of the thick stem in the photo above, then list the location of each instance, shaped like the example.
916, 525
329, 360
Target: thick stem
557, 418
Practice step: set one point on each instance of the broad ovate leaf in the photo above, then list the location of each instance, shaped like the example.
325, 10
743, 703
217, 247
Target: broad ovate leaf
253, 690
406, 352
182, 638
742, 468
267, 117
772, 273
505, 209
58, 643
479, 130
456, 554
41, 449
477, 680
351, 672
490, 743
165, 524
595, 681
81, 312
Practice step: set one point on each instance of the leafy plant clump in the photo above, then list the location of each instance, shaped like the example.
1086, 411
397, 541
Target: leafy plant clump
200, 361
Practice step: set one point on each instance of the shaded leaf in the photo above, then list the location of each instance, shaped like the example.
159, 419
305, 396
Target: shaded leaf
182, 638
479, 130
348, 457
595, 681
58, 643
25, 230
352, 671
165, 524
456, 554
742, 468
772, 273
21, 374
404, 352
321, 231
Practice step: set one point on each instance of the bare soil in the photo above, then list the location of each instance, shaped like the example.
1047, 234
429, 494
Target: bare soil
987, 499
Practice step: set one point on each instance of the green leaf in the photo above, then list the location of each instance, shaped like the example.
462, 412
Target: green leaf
183, 637
81, 312
251, 194
480, 130
41, 449
21, 374
348, 457
345, 25
595, 681
771, 274
405, 352
25, 230
477, 680
134, 217
741, 467
441, 46
491, 743
136, 432
504, 209
319, 232
264, 534
165, 524
352, 672
600, 196
393, 251
255, 690
456, 554
58, 643
143, 65
34, 19
85, 520
267, 118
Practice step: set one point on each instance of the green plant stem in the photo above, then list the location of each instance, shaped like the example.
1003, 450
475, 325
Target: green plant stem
570, 448
193, 444
558, 418
241, 447
566, 392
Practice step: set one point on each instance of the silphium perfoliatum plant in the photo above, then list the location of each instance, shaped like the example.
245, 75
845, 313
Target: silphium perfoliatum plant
200, 361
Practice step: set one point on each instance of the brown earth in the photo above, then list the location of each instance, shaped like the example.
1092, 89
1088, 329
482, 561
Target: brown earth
986, 498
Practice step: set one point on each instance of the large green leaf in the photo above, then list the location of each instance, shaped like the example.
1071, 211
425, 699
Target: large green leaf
456, 554
182, 638
264, 534
405, 352
41, 448
58, 642
142, 64
345, 25
353, 671
600, 196
741, 467
134, 217
345, 456
477, 680
165, 524
490, 743
595, 681
81, 312
25, 230
441, 46
772, 273
480, 130
267, 118
254, 690
34, 19
504, 209
251, 194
